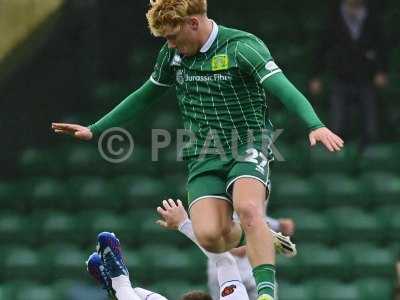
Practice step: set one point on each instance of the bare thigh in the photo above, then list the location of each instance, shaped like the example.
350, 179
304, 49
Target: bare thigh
212, 220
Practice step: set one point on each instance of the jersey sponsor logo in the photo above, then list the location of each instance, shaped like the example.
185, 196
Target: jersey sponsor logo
271, 66
182, 77
229, 290
176, 60
220, 62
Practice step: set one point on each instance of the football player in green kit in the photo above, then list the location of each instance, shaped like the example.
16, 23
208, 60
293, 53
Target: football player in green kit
222, 77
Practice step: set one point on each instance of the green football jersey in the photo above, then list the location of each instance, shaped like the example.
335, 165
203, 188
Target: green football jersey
219, 90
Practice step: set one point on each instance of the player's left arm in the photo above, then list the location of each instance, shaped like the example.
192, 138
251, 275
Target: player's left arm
297, 103
255, 59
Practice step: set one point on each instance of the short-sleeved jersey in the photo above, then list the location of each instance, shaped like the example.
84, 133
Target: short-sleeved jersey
219, 91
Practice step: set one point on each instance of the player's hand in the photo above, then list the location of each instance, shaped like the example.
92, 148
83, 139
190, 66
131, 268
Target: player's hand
75, 130
380, 80
315, 86
173, 214
287, 226
330, 140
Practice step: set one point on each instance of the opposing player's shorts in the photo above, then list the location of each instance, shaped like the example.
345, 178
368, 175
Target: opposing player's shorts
213, 176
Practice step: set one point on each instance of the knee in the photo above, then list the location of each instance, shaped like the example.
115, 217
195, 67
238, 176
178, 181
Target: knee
210, 240
250, 214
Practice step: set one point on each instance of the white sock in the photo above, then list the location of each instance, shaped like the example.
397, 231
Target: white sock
229, 279
148, 295
123, 288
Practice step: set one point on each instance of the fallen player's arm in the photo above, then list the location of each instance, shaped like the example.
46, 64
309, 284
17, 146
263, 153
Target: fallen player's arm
130, 107
174, 216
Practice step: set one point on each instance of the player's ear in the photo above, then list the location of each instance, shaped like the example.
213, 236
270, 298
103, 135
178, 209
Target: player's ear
194, 23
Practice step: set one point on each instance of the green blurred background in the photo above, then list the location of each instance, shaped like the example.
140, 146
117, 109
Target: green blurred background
74, 60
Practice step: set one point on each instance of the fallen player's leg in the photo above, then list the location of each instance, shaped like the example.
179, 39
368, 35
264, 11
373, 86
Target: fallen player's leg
109, 249
230, 282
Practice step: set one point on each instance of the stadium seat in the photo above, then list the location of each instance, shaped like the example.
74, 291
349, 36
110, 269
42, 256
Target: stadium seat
40, 162
67, 261
10, 288
272, 30
377, 158
89, 192
134, 218
7, 290
339, 189
37, 292
321, 160
374, 288
176, 183
14, 195
389, 219
100, 221
289, 291
310, 225
289, 268
56, 225
349, 224
84, 160
79, 289
155, 232
23, 263
14, 228
384, 187
295, 160
334, 290
294, 192
133, 260
48, 193
166, 120
315, 259
141, 192
160, 266
170, 160
107, 92
368, 260
139, 162
197, 262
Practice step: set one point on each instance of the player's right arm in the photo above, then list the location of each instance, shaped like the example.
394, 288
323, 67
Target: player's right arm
131, 106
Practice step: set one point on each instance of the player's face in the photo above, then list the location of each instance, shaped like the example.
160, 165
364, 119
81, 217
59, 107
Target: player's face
353, 6
185, 38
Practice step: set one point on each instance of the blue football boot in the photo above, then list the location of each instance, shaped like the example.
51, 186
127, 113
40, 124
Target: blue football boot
109, 248
97, 270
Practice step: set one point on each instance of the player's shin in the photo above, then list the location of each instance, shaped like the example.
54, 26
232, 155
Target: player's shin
148, 295
229, 279
261, 252
123, 288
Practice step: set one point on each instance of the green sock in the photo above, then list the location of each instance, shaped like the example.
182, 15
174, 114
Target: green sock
265, 280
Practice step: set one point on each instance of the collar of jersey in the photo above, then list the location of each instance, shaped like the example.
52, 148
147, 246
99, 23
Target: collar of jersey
211, 38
